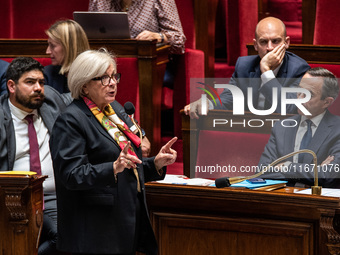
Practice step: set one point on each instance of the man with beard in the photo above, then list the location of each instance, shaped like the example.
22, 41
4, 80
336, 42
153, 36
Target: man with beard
27, 98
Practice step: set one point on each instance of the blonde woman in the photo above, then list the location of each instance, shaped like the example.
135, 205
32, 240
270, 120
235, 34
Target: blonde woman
66, 40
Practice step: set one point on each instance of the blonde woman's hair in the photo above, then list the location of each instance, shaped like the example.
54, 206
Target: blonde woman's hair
73, 39
88, 65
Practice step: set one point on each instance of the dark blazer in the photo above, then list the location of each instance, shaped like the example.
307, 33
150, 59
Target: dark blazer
325, 142
3, 69
49, 111
247, 74
54, 103
54, 79
96, 214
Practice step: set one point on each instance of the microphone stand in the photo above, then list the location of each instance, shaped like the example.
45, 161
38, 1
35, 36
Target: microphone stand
139, 130
316, 190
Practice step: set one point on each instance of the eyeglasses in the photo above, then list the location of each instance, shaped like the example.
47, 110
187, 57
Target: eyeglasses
105, 79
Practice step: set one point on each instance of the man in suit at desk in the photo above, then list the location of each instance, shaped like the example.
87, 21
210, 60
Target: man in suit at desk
273, 67
28, 105
318, 132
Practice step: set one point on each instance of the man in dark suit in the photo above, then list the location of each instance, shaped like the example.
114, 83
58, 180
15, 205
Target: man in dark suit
318, 132
273, 67
26, 95
3, 68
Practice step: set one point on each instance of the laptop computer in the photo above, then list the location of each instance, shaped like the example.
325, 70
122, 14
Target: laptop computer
104, 25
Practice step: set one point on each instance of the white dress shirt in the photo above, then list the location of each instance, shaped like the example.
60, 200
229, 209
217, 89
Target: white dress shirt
266, 77
22, 153
302, 130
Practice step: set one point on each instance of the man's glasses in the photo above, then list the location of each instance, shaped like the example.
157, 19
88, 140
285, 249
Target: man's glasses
105, 79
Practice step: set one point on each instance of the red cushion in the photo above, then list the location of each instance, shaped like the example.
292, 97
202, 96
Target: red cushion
167, 98
241, 20
223, 70
128, 88
175, 168
190, 65
294, 30
42, 14
230, 151
327, 26
9, 60
186, 14
43, 61
6, 27
335, 69
286, 10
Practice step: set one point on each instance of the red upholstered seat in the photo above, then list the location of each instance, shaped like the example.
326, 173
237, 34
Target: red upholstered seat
290, 12
327, 25
335, 69
190, 65
228, 153
43, 61
128, 88
241, 19
40, 14
335, 107
326, 32
5, 30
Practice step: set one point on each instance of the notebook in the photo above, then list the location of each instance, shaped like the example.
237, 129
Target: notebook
104, 25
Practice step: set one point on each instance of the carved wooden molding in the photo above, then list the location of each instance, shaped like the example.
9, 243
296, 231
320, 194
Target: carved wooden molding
14, 204
329, 223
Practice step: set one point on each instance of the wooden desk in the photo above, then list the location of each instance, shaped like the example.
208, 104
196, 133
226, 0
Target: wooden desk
21, 214
151, 67
206, 220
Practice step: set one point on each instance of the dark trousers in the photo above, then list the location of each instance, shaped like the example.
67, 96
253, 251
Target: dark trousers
48, 239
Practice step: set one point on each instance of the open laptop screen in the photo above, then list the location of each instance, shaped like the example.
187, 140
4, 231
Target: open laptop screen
104, 25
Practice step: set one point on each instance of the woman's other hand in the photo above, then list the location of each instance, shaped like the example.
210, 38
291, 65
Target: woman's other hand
166, 155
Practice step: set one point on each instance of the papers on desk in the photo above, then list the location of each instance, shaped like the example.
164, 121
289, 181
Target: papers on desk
269, 185
183, 180
324, 192
17, 172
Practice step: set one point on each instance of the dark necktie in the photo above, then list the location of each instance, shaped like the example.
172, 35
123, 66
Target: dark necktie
307, 137
34, 146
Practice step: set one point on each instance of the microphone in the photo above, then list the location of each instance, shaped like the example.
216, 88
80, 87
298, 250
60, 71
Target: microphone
316, 190
130, 110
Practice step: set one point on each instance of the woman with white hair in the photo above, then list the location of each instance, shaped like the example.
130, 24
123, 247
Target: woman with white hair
98, 167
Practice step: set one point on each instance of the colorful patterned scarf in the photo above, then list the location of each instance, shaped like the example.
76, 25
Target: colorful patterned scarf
117, 128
